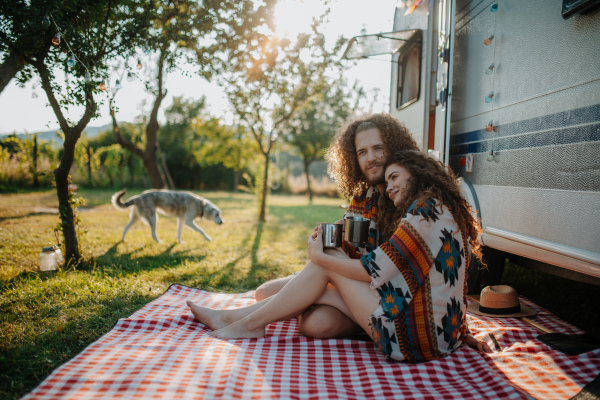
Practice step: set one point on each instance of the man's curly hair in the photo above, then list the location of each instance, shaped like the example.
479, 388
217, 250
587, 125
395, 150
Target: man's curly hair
430, 179
341, 156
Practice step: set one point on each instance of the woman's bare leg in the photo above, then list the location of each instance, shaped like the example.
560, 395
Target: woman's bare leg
306, 288
328, 318
217, 319
323, 320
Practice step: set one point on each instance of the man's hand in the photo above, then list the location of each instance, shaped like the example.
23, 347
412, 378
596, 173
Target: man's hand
477, 344
339, 221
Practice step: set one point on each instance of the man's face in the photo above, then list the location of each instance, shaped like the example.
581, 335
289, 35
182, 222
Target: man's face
371, 156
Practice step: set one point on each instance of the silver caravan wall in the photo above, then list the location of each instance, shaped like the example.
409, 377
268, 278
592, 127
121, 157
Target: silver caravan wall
526, 110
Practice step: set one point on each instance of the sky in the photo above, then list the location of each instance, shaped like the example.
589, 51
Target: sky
26, 110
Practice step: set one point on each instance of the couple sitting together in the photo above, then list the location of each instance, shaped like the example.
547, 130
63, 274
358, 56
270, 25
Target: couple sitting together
405, 287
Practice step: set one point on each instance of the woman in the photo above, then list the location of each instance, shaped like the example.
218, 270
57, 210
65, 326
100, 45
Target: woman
409, 293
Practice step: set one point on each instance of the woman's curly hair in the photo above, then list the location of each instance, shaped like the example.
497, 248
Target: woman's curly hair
341, 156
430, 179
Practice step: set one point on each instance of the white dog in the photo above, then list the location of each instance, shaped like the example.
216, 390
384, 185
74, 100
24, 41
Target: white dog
184, 205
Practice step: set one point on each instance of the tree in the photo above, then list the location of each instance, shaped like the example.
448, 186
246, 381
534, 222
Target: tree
9, 67
311, 129
210, 34
92, 32
194, 140
277, 81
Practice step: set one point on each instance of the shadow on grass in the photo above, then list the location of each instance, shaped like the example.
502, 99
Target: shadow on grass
27, 215
227, 277
242, 271
115, 263
44, 211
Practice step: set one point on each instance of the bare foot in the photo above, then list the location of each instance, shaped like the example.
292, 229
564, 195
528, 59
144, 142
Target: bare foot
214, 319
238, 330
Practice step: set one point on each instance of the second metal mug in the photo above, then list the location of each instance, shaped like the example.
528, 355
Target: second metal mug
332, 235
357, 229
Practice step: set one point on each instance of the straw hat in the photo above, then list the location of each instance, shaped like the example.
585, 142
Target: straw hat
500, 301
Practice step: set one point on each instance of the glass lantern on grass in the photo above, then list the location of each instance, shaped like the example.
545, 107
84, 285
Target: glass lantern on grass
50, 258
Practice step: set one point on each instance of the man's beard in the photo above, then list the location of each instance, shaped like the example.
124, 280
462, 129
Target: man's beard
377, 179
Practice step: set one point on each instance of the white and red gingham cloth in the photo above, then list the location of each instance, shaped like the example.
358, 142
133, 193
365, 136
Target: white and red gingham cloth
161, 352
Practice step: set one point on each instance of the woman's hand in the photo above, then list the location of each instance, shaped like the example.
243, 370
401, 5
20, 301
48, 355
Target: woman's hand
315, 244
477, 344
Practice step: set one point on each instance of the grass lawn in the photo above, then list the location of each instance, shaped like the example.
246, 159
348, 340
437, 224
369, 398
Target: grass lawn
47, 319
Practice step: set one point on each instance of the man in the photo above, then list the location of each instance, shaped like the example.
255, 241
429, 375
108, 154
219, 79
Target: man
356, 158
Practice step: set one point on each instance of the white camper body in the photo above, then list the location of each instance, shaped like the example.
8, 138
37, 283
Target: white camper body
509, 96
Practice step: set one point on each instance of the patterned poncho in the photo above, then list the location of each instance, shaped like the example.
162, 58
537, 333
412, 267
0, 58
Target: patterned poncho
419, 273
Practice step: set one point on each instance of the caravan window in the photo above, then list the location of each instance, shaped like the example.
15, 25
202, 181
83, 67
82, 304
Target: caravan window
409, 72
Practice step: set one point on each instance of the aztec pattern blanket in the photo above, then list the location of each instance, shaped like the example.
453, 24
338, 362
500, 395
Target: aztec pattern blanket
162, 352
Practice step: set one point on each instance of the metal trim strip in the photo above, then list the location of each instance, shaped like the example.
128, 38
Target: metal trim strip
567, 257
563, 119
557, 137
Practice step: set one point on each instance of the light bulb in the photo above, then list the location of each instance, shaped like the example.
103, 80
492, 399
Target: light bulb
88, 78
118, 84
129, 77
146, 51
494, 7
71, 61
56, 39
46, 21
488, 40
489, 97
139, 64
490, 70
102, 86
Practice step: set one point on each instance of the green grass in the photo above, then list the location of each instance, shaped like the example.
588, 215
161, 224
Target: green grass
47, 319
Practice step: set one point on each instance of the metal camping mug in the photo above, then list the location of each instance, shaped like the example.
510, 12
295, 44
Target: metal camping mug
332, 235
357, 229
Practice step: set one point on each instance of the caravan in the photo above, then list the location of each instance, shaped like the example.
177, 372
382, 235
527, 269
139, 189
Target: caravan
507, 93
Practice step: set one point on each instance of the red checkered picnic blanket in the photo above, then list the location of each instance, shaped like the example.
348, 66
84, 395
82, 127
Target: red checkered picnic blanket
162, 352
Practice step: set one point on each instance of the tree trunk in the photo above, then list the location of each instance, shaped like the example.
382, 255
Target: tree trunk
163, 158
34, 159
148, 155
61, 174
308, 188
131, 166
151, 164
9, 68
88, 150
150, 159
66, 213
265, 187
236, 180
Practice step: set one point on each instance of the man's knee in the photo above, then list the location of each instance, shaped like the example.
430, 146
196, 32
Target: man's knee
270, 288
325, 322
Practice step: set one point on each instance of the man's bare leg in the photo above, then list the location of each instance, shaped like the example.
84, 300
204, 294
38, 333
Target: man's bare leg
271, 287
328, 318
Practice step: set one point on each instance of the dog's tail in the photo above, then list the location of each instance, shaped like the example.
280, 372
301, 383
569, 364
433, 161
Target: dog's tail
116, 200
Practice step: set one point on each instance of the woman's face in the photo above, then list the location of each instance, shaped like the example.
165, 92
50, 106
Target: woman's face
396, 179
